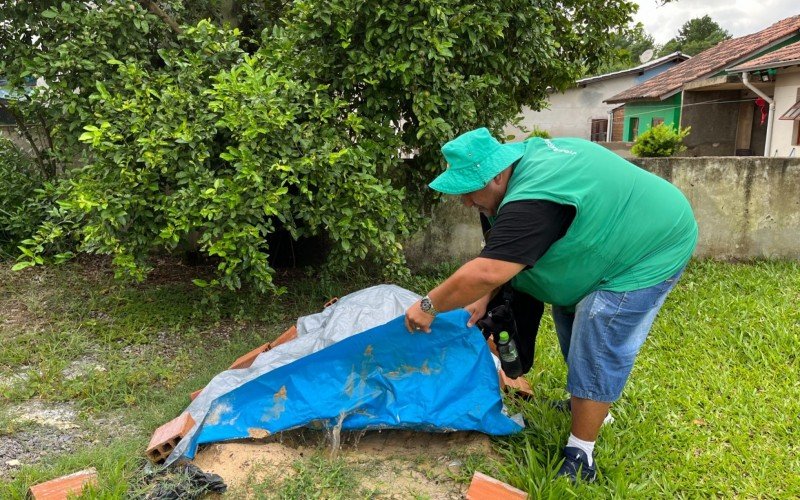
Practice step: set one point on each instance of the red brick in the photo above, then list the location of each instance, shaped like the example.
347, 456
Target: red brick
492, 347
502, 377
166, 437
196, 393
247, 360
286, 336
331, 302
60, 488
484, 487
520, 386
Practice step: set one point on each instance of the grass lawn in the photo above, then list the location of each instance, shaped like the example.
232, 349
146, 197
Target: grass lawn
89, 367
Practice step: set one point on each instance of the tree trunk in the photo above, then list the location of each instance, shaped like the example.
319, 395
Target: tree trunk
229, 13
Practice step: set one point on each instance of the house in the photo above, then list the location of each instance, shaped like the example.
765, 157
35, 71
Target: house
706, 93
782, 69
581, 112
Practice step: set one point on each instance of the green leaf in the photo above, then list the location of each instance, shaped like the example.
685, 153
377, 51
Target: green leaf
22, 265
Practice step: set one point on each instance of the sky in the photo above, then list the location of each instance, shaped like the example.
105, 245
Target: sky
738, 17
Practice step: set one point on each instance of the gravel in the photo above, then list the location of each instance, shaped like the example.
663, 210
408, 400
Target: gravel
52, 429
32, 444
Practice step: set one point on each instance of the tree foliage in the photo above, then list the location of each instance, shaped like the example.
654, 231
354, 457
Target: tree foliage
327, 123
20, 207
628, 46
695, 36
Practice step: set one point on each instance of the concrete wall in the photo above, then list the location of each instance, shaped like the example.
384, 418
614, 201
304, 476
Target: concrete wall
454, 234
746, 207
784, 133
12, 133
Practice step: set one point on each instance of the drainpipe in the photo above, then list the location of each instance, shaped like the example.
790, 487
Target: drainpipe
770, 117
610, 125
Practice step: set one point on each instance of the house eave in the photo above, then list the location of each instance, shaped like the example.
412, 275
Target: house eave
677, 56
762, 49
772, 65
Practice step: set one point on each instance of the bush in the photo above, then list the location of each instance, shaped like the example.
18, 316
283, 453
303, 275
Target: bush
538, 132
329, 125
21, 209
230, 148
659, 141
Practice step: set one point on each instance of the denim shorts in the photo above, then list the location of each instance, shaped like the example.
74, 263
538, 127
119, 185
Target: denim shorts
601, 338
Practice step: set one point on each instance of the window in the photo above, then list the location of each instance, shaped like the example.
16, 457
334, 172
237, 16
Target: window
633, 129
794, 114
655, 122
599, 130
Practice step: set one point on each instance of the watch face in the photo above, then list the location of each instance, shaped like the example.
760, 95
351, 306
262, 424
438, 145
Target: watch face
425, 304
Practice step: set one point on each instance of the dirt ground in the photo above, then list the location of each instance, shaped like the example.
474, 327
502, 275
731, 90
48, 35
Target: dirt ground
390, 464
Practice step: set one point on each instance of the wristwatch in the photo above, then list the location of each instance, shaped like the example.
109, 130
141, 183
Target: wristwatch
427, 306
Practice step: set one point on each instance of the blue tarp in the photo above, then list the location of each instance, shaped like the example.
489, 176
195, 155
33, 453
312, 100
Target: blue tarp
384, 377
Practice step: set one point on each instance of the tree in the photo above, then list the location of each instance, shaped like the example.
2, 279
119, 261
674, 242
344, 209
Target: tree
695, 36
328, 124
629, 44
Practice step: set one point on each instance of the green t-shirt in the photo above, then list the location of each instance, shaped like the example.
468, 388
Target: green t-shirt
632, 229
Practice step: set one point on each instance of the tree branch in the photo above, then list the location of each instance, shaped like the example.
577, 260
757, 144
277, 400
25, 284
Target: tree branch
28, 136
155, 9
54, 170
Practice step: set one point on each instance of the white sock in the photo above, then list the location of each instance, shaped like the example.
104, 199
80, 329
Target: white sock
585, 446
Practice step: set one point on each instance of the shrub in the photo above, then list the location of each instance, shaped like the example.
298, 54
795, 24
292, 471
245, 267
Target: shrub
21, 207
661, 140
538, 132
329, 125
230, 156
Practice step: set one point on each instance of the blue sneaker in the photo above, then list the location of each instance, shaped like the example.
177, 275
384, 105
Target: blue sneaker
576, 464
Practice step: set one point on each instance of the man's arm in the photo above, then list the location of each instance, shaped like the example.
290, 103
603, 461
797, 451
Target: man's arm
470, 282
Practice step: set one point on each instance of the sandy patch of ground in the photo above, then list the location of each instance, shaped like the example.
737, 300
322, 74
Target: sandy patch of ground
390, 463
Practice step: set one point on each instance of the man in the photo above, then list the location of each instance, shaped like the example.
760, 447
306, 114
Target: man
580, 228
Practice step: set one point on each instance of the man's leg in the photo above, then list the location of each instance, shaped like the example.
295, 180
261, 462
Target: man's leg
587, 417
608, 330
563, 320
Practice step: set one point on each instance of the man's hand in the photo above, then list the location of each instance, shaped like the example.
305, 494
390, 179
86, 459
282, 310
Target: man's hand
417, 319
477, 309
469, 284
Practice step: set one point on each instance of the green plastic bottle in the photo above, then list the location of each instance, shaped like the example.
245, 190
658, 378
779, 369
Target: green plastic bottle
509, 357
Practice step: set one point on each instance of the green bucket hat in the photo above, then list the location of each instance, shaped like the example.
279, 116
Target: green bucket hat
473, 159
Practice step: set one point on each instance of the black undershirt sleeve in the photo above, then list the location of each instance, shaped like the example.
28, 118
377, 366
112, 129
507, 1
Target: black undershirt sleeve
524, 230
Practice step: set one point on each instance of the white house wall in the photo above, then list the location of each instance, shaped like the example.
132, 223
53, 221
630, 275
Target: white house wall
570, 113
784, 133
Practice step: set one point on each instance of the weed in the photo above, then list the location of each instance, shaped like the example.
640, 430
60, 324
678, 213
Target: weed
317, 477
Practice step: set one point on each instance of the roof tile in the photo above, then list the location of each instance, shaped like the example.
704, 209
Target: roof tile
707, 62
787, 56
